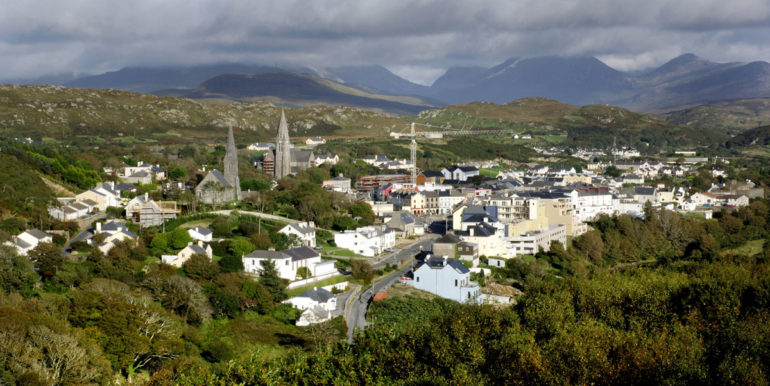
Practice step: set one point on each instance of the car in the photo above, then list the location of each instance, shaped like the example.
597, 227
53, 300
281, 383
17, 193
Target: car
318, 248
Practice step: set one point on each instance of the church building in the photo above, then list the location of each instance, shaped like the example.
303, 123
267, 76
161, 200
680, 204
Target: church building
216, 187
284, 159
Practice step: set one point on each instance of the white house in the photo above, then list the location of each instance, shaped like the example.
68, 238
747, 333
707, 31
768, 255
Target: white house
305, 231
367, 241
318, 303
326, 159
29, 239
200, 233
288, 261
263, 146
313, 141
178, 260
448, 278
460, 173
337, 184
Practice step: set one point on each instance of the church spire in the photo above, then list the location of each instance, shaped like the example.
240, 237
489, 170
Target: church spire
231, 163
282, 149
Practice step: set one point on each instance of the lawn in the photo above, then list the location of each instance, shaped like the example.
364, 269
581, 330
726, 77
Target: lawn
334, 280
750, 248
491, 172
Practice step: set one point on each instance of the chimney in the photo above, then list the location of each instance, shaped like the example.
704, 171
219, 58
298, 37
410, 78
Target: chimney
200, 243
98, 227
146, 196
271, 249
472, 230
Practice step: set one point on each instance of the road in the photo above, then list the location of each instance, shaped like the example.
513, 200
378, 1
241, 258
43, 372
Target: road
355, 315
257, 214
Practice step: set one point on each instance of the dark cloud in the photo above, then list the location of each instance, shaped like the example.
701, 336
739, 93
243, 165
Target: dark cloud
415, 38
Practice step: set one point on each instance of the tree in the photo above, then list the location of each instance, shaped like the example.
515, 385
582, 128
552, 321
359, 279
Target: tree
17, 273
592, 246
612, 171
200, 267
268, 277
179, 238
47, 258
361, 270
159, 244
177, 174
182, 296
342, 223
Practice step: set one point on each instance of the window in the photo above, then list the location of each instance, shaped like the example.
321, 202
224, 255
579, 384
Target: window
418, 279
455, 282
287, 262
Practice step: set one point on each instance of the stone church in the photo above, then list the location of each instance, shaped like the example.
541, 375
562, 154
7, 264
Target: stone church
216, 187
284, 159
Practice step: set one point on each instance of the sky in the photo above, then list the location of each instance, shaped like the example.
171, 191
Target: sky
416, 39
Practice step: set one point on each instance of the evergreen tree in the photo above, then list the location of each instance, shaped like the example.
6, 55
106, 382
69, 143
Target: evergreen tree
268, 277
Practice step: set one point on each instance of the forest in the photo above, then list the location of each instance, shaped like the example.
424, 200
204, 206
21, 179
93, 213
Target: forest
672, 298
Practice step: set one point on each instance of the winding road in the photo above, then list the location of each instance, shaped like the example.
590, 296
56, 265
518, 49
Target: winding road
355, 313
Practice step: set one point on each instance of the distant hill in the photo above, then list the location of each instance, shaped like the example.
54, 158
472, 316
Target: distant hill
149, 79
759, 136
376, 79
731, 116
302, 89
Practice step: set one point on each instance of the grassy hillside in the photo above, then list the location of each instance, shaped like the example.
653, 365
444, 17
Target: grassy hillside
65, 113
22, 193
731, 116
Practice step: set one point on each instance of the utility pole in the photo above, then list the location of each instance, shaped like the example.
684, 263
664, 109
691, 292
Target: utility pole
413, 152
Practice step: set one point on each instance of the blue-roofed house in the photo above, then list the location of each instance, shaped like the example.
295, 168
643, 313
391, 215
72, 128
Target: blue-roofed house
447, 278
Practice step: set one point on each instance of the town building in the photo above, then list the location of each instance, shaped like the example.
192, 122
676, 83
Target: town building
217, 188
196, 248
447, 278
305, 232
288, 261
284, 159
367, 241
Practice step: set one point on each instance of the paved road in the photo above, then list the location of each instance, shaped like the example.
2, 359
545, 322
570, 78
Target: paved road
355, 315
257, 214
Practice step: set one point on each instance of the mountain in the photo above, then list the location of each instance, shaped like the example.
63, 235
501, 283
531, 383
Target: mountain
689, 80
302, 89
731, 116
149, 79
572, 80
374, 79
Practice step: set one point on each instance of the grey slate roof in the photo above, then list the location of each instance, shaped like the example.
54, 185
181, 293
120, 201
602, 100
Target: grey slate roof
37, 233
262, 254
202, 230
301, 253
220, 177
197, 249
457, 265
317, 294
449, 238
644, 191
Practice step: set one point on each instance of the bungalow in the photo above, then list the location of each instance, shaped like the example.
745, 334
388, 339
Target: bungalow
337, 184
288, 261
115, 233
448, 278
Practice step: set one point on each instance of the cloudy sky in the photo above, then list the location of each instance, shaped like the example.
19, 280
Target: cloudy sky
416, 39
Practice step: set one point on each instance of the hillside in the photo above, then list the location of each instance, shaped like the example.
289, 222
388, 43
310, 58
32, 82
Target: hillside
24, 193
731, 116
759, 136
66, 113
592, 125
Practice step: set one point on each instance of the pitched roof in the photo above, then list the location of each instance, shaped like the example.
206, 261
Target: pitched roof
301, 253
431, 173
197, 249
37, 233
317, 294
449, 238
220, 177
201, 230
263, 254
